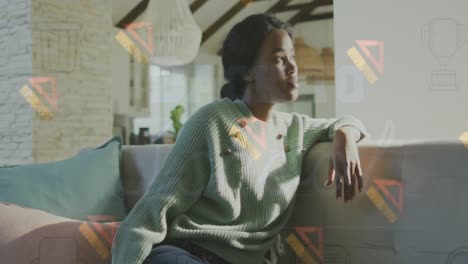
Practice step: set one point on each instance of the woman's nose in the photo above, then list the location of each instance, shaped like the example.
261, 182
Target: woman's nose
291, 67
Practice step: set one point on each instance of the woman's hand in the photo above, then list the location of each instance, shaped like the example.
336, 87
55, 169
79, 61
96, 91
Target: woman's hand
345, 166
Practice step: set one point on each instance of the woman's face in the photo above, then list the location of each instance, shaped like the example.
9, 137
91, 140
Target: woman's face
274, 74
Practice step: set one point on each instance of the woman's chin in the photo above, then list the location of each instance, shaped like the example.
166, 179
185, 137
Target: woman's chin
290, 97
293, 95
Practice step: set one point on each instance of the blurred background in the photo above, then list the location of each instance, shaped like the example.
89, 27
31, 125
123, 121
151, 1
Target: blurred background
75, 73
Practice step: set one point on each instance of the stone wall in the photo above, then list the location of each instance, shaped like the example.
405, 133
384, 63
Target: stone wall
66, 42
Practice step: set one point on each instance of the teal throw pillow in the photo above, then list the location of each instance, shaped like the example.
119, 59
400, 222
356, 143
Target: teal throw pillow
84, 187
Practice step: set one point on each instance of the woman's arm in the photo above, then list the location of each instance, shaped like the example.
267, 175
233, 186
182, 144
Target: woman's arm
345, 166
316, 130
179, 184
351, 133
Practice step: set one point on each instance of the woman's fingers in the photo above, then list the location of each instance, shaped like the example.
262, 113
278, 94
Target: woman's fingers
346, 176
335, 174
353, 184
339, 184
347, 186
359, 176
353, 179
331, 174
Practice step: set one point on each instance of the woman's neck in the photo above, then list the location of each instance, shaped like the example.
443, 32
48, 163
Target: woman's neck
261, 109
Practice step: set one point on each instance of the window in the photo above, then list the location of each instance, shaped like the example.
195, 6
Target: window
191, 86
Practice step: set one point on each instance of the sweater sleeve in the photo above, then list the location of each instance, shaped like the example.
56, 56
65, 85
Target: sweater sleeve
179, 184
316, 130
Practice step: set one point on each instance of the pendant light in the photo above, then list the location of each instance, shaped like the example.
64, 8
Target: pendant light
176, 35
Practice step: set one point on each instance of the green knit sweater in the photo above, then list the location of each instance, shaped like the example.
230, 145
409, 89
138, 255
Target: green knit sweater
228, 184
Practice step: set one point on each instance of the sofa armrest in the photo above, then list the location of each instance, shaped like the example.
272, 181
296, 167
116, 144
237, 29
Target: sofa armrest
409, 211
326, 228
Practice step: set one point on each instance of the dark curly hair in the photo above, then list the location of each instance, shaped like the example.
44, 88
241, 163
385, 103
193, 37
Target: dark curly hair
241, 47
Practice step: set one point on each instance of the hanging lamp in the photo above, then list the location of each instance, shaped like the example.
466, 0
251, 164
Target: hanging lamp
308, 60
176, 35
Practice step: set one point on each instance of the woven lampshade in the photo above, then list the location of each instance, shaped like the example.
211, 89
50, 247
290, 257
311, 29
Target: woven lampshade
309, 62
176, 35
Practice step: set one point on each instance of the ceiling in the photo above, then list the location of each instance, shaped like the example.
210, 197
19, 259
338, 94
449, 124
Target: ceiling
205, 17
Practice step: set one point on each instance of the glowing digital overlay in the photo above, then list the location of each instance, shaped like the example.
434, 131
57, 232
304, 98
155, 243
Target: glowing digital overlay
464, 139
131, 47
38, 105
300, 250
359, 61
382, 205
244, 141
100, 235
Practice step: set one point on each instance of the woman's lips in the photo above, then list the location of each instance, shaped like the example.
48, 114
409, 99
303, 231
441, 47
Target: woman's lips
292, 84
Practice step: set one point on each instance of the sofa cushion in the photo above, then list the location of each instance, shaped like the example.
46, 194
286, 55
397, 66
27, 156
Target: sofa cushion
84, 185
33, 236
140, 166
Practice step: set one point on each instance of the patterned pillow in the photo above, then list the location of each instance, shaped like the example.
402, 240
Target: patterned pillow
31, 236
86, 184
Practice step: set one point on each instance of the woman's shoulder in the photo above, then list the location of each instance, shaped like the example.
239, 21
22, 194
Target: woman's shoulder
217, 104
294, 120
216, 112
216, 109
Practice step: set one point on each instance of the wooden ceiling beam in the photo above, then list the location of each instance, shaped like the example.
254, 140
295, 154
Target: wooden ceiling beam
281, 6
316, 17
224, 18
298, 7
272, 9
141, 7
277, 6
301, 15
196, 5
133, 15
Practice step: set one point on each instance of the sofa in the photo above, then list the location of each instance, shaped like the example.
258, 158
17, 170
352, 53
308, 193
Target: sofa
412, 209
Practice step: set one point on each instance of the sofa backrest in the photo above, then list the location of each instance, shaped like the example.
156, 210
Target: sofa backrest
140, 165
413, 202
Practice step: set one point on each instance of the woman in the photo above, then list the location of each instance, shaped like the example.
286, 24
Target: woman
220, 197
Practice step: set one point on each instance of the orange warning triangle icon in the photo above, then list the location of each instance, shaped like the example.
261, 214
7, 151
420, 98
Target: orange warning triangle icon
260, 140
107, 233
52, 98
364, 46
99, 227
148, 44
317, 248
383, 186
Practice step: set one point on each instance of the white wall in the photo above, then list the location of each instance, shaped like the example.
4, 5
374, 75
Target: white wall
404, 98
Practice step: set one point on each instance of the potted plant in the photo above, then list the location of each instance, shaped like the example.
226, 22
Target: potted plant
176, 114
